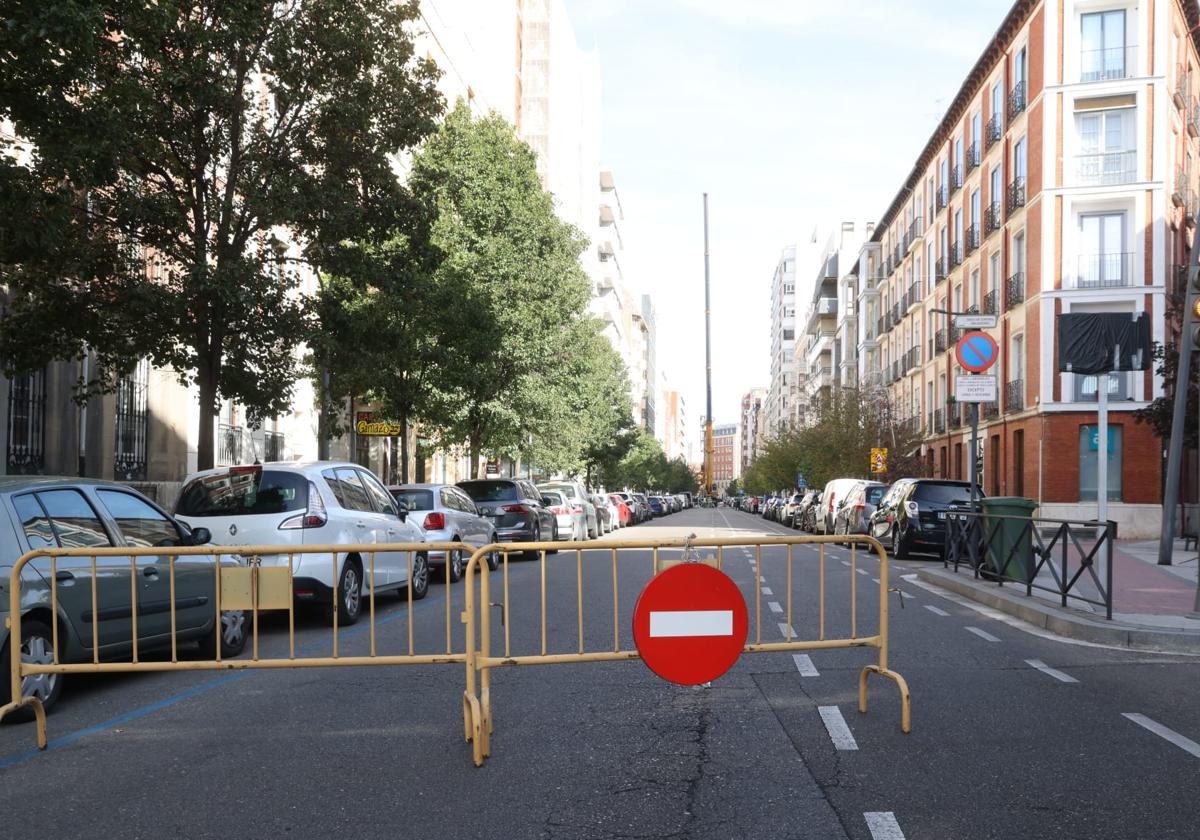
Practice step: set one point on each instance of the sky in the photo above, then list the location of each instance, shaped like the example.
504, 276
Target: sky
792, 115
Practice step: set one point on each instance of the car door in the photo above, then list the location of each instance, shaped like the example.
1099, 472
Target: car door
394, 530
367, 526
479, 530
140, 525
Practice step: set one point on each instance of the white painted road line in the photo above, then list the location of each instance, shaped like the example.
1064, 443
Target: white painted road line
983, 634
845, 562
861, 571
766, 590
672, 623
936, 611
883, 825
804, 665
1185, 744
874, 580
1054, 672
774, 605
835, 724
786, 631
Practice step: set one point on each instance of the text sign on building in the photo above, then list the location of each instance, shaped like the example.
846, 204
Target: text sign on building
976, 352
975, 322
690, 624
977, 388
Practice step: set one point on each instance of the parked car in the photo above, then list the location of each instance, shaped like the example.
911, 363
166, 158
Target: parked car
604, 519
831, 496
48, 512
644, 501
515, 508
602, 501
446, 514
656, 506
812, 510
623, 508
912, 514
788, 514
578, 496
311, 503
854, 513
569, 519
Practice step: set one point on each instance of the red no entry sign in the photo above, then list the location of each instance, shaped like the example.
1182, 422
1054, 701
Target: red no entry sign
690, 624
977, 351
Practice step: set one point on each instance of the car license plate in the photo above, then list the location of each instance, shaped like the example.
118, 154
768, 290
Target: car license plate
941, 514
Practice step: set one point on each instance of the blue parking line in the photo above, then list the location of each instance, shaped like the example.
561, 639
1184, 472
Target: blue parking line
67, 740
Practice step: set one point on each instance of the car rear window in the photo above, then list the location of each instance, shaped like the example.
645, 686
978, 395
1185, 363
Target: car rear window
490, 491
414, 499
554, 496
874, 494
244, 493
942, 493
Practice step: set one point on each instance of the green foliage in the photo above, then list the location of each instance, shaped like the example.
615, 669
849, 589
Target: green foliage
1160, 413
172, 143
646, 467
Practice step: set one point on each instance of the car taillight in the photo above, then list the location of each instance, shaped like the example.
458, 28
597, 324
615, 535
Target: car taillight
313, 516
435, 521
562, 509
578, 508
515, 509
860, 507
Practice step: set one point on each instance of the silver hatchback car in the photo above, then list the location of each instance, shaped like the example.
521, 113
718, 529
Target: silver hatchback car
447, 514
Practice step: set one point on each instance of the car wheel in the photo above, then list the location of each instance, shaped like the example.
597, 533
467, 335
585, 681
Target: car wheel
419, 586
553, 538
493, 559
233, 636
455, 563
349, 594
537, 537
591, 534
38, 649
899, 550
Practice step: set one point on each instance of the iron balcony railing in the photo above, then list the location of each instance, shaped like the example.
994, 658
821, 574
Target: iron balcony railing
956, 178
914, 293
939, 341
229, 445
897, 256
895, 370
972, 156
990, 410
953, 417
1014, 290
941, 269
1182, 193
956, 254
1108, 64
1014, 395
1193, 120
915, 230
1183, 87
897, 313
1102, 271
939, 421
879, 327
995, 130
989, 303
1105, 168
1016, 193
887, 266
273, 446
942, 197
973, 238
1016, 100
992, 217
912, 358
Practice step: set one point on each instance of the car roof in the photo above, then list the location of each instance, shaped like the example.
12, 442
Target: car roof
294, 466
417, 486
17, 483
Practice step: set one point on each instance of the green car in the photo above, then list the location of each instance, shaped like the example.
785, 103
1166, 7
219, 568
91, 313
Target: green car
47, 512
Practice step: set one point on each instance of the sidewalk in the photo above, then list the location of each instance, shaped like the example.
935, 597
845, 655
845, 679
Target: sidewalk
1152, 604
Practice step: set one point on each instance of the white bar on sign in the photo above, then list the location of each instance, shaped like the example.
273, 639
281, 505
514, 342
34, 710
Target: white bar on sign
691, 623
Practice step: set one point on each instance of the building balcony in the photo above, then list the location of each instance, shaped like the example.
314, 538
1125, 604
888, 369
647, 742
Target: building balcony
1107, 65
915, 231
956, 178
1014, 395
955, 255
939, 421
941, 269
1016, 194
1193, 121
1106, 168
994, 131
1182, 192
990, 410
992, 218
972, 157
273, 446
954, 417
940, 341
912, 358
1183, 87
1016, 100
973, 238
1101, 271
881, 326
914, 294
898, 254
1014, 290
989, 303
942, 197
229, 444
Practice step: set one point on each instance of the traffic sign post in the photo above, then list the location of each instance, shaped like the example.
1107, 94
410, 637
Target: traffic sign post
690, 624
976, 352
879, 460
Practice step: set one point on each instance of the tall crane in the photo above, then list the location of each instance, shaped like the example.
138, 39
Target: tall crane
707, 489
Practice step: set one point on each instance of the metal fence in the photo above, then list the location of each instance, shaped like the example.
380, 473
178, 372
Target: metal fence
1071, 559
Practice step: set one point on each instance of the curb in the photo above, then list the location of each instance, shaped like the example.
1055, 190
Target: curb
1061, 622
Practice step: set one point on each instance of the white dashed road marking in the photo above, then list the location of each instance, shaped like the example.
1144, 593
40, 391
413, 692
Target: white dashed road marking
786, 631
1054, 672
804, 665
983, 634
836, 726
861, 571
845, 562
936, 611
883, 825
1185, 744
774, 605
766, 590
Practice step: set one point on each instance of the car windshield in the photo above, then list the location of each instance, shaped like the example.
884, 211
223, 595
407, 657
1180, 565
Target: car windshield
942, 492
414, 498
242, 492
490, 491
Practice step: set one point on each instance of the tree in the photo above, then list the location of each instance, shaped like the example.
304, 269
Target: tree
188, 158
511, 269
1159, 414
733, 488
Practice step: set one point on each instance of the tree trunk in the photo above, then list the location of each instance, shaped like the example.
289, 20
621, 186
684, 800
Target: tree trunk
477, 470
323, 419
206, 379
404, 447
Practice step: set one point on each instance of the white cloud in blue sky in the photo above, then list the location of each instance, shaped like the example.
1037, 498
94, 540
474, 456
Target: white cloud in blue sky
791, 114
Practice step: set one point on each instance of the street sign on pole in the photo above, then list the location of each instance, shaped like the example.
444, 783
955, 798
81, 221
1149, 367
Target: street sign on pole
975, 322
976, 352
975, 388
879, 460
690, 624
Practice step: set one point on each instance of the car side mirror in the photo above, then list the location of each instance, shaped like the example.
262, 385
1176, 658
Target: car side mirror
402, 511
201, 536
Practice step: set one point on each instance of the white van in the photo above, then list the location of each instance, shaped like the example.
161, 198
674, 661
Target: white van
835, 492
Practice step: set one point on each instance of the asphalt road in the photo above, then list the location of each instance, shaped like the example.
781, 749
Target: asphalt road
1088, 742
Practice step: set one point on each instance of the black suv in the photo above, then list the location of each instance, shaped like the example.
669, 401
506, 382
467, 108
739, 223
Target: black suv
912, 514
515, 507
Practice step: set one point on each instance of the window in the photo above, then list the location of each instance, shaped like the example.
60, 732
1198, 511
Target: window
380, 497
34, 522
976, 132
1016, 358
1107, 146
1089, 462
998, 102
976, 296
74, 522
1102, 46
1018, 263
931, 262
994, 277
1019, 160
26, 424
129, 450
230, 494
1102, 261
140, 524
997, 187
1019, 68
348, 489
1087, 388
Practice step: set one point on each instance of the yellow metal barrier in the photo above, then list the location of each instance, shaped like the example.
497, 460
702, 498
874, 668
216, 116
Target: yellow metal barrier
240, 583
477, 708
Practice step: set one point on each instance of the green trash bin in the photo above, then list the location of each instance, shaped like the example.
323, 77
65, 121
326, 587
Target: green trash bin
1017, 563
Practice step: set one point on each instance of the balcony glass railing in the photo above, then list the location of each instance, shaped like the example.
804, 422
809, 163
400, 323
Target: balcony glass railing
1104, 168
1101, 271
1107, 65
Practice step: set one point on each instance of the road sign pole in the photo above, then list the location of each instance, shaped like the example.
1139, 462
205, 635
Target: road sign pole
1102, 450
974, 471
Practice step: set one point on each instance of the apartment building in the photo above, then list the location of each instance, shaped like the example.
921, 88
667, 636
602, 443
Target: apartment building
727, 463
781, 394
673, 418
752, 424
1061, 179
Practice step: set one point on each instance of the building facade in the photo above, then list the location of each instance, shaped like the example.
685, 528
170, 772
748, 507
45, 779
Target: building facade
752, 423
1062, 179
727, 461
781, 394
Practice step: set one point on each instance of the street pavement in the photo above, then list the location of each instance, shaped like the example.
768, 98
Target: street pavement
1016, 733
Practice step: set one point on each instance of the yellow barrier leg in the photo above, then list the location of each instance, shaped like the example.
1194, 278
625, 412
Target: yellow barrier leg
901, 683
39, 714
